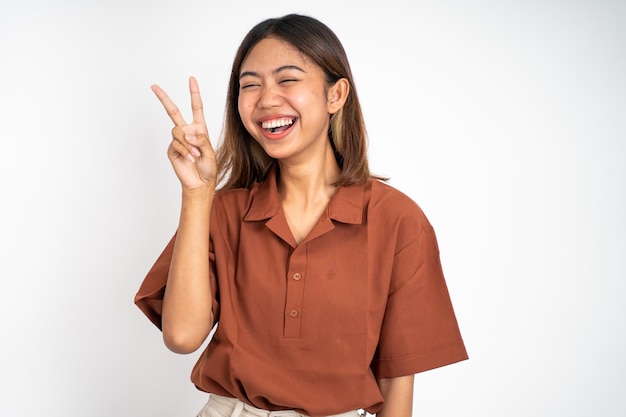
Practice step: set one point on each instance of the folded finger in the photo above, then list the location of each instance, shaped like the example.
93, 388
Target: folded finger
183, 139
179, 148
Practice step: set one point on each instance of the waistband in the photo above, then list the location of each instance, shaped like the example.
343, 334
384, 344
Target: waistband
234, 408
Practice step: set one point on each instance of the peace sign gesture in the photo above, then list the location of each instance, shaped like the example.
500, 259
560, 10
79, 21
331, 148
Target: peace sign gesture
190, 151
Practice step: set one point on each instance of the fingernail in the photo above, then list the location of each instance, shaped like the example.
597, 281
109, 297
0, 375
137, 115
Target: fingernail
190, 138
196, 152
191, 158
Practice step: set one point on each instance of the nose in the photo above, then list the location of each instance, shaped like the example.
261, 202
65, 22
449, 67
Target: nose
269, 98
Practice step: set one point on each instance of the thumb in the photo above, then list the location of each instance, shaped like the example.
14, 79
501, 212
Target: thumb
200, 141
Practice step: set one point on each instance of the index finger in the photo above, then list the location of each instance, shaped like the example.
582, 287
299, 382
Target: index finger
196, 101
170, 107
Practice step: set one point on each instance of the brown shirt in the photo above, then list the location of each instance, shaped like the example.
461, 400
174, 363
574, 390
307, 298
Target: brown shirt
312, 326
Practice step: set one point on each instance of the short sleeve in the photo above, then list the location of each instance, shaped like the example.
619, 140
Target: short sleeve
149, 298
419, 330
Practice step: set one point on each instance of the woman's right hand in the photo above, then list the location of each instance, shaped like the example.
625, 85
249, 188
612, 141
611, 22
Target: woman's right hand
190, 151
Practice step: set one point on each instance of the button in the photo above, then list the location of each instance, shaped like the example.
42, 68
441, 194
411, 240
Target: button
293, 313
297, 276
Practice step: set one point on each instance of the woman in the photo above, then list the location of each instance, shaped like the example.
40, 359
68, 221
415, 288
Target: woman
324, 282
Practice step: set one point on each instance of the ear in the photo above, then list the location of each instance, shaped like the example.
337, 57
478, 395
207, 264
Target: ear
337, 95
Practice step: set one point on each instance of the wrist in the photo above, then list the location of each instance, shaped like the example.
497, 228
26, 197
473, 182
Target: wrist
198, 199
199, 193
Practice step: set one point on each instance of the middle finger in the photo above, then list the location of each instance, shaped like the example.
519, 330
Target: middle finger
170, 107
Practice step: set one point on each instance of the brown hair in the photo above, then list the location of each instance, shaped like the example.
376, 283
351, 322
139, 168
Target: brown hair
241, 159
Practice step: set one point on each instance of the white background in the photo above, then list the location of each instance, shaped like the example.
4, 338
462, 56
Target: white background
505, 120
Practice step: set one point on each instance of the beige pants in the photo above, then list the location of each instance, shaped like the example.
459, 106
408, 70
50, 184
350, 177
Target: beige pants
219, 406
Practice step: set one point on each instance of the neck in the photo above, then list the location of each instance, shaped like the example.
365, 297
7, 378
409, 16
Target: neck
309, 183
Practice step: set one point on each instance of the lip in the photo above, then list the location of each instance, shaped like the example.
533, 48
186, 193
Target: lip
275, 136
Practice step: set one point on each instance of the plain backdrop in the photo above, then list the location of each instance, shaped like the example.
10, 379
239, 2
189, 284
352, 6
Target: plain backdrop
504, 120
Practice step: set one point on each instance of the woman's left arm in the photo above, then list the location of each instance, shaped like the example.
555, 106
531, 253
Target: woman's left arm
398, 395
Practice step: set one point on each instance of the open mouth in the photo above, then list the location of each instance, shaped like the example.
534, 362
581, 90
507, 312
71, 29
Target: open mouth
280, 125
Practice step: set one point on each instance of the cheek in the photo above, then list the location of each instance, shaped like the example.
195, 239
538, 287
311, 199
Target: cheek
314, 108
314, 101
245, 111
241, 108
245, 115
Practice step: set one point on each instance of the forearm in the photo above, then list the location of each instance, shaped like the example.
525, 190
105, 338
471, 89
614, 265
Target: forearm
187, 304
398, 395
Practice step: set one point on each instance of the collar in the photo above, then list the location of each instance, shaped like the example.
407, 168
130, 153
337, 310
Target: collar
346, 206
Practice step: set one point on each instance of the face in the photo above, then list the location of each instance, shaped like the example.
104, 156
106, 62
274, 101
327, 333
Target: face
284, 101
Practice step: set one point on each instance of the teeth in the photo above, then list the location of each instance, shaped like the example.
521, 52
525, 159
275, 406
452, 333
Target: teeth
272, 124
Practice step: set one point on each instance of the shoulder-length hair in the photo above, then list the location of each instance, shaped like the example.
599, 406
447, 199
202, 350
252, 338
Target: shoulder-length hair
241, 160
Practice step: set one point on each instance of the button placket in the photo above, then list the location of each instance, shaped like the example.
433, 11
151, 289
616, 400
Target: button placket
295, 292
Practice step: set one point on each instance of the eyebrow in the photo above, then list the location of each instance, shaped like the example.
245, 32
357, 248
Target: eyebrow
276, 71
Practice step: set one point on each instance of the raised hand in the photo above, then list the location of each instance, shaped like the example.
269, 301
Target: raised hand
190, 151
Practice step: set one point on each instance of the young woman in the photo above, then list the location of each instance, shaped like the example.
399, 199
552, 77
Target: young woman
324, 282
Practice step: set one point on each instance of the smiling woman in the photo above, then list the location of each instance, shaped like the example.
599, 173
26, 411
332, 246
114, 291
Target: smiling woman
285, 103
325, 282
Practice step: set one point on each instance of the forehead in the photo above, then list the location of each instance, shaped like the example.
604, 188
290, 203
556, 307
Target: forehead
272, 53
